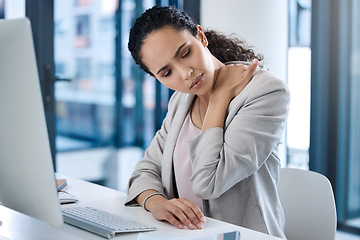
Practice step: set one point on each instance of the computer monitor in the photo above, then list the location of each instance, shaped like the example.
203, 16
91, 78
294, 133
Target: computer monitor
27, 179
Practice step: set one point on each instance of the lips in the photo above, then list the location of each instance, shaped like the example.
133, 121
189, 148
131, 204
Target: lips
196, 81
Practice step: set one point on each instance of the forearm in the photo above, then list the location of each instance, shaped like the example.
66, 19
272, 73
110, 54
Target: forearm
215, 114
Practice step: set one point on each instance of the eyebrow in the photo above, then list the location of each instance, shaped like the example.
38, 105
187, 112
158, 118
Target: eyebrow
175, 56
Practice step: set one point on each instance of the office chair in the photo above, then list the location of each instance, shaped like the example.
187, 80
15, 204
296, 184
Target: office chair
309, 205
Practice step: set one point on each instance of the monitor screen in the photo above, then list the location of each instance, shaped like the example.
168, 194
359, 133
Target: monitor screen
27, 180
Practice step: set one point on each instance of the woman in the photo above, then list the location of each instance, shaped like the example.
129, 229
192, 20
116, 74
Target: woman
215, 154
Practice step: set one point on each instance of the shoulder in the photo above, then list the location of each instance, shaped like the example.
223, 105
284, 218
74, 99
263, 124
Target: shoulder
263, 79
179, 99
265, 90
265, 83
179, 104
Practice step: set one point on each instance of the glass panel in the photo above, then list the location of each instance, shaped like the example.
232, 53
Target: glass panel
138, 90
354, 153
84, 53
300, 22
299, 68
12, 9
131, 82
298, 126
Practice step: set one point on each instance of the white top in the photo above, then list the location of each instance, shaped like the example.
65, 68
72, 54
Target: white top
182, 162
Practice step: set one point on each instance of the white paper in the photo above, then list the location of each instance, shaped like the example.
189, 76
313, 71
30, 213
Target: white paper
220, 236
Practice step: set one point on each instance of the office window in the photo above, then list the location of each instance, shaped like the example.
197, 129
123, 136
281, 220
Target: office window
12, 9
104, 70
60, 28
60, 69
85, 104
82, 39
335, 112
353, 202
82, 3
299, 68
109, 104
2, 9
107, 24
83, 70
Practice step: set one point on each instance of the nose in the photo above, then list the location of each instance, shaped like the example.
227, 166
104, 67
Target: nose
186, 72
190, 73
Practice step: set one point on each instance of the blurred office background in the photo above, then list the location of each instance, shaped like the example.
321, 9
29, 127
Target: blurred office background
102, 110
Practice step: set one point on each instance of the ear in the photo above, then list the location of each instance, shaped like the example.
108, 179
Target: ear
201, 36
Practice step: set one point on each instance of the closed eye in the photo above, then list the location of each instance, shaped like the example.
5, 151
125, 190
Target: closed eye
167, 73
186, 53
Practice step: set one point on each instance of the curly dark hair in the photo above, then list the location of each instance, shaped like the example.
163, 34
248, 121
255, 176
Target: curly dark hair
224, 48
228, 49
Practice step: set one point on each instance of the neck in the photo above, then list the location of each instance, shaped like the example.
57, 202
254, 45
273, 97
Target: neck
217, 64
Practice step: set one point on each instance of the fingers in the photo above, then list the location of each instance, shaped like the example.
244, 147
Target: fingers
192, 213
252, 67
185, 216
248, 70
180, 213
170, 217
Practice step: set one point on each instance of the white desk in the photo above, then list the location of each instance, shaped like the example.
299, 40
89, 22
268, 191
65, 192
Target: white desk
113, 201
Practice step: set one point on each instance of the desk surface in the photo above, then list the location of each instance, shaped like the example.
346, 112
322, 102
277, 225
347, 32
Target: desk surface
112, 201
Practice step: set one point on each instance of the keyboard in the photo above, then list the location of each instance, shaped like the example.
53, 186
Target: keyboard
100, 222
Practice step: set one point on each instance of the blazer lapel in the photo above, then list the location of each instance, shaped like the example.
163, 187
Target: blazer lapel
182, 109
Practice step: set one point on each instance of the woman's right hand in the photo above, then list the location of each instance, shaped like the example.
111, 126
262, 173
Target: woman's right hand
178, 212
229, 82
232, 79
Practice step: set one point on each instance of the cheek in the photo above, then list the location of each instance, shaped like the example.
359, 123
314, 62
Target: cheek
204, 59
171, 84
175, 83
208, 57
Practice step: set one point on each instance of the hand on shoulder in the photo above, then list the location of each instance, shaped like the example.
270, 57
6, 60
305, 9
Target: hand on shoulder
232, 79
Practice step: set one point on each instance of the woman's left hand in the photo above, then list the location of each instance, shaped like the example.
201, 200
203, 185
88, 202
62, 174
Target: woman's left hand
179, 212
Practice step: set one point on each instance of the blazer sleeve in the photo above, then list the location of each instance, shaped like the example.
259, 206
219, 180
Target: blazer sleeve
253, 128
147, 173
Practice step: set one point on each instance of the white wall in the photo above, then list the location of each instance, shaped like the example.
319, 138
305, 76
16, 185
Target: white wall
261, 23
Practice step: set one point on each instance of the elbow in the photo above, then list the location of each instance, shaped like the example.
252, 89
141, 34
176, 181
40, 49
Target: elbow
206, 193
205, 189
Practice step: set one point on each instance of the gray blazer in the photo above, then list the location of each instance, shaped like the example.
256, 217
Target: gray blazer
235, 168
